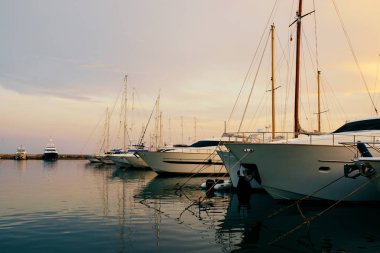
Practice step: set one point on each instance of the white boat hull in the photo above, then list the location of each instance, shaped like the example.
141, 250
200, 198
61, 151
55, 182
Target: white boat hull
293, 171
183, 163
233, 167
129, 160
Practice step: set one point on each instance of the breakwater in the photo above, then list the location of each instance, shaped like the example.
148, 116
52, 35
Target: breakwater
39, 156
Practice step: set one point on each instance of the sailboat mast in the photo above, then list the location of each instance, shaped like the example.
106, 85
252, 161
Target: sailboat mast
125, 113
319, 100
273, 89
297, 127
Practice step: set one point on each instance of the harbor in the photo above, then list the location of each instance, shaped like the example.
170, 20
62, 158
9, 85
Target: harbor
178, 126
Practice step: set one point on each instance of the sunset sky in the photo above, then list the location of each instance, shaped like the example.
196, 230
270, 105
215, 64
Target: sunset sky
63, 63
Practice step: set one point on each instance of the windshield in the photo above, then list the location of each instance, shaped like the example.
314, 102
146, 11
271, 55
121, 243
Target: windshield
370, 124
200, 144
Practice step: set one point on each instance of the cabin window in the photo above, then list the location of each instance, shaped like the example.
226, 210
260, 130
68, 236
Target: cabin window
324, 169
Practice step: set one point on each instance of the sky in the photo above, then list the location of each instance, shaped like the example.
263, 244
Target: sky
63, 64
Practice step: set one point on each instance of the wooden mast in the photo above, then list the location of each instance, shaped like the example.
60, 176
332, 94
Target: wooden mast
319, 101
273, 89
297, 127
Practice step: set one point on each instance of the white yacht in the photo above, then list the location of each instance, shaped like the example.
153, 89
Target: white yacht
198, 158
50, 152
105, 158
129, 159
20, 153
312, 166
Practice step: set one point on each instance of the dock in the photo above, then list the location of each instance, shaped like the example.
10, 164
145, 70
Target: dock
39, 156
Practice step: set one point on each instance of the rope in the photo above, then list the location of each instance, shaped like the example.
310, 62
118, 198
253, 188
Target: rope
303, 198
312, 218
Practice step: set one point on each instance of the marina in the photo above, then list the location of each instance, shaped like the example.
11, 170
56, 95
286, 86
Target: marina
76, 206
190, 127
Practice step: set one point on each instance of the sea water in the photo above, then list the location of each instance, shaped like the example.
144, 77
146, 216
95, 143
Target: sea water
75, 206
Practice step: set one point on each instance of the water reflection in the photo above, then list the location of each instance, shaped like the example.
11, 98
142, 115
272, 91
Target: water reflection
86, 208
21, 166
50, 164
250, 226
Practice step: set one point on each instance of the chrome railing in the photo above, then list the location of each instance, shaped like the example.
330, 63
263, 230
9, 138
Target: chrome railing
304, 138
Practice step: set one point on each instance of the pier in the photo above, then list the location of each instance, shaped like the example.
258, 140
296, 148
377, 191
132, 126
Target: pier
39, 156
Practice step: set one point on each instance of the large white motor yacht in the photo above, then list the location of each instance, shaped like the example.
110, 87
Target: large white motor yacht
312, 167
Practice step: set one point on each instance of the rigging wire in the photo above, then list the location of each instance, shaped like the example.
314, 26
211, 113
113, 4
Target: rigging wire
252, 61
315, 34
354, 55
283, 58
253, 84
319, 214
377, 74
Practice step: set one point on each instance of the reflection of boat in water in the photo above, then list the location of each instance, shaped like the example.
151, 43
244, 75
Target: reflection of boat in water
169, 187
20, 153
145, 175
250, 227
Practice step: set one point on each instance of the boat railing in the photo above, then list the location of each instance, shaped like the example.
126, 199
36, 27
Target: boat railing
305, 138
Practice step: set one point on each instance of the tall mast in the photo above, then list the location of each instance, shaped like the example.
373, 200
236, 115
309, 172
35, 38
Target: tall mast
319, 101
125, 113
273, 89
297, 126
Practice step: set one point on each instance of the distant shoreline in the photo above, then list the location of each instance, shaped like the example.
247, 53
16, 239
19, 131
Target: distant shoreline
39, 156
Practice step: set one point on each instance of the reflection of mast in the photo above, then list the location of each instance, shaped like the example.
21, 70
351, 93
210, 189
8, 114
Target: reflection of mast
157, 220
122, 214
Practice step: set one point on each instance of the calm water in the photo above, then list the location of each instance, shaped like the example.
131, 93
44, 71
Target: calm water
73, 206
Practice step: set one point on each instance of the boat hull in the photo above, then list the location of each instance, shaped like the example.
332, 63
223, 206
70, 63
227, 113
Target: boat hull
233, 167
50, 156
184, 163
20, 156
129, 160
294, 171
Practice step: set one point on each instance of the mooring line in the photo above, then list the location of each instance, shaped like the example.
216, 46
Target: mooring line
312, 218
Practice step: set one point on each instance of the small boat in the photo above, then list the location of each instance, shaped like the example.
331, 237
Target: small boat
20, 154
50, 152
217, 184
130, 159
